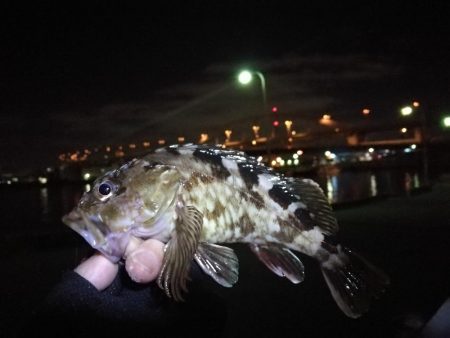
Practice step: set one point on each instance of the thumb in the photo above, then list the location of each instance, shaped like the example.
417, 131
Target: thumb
143, 264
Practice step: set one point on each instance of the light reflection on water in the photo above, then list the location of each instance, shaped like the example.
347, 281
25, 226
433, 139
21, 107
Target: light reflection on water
341, 187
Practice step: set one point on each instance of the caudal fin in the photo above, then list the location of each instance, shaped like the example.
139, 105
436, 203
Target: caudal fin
352, 280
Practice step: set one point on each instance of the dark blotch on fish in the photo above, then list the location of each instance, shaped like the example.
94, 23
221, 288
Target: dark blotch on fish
249, 172
214, 159
304, 216
281, 195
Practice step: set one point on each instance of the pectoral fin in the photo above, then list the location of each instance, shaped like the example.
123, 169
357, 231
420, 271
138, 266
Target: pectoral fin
220, 262
280, 261
180, 251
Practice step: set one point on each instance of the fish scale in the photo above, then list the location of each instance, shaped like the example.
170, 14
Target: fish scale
193, 197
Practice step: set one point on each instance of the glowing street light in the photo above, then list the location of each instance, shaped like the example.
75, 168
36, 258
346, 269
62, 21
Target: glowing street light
446, 121
245, 77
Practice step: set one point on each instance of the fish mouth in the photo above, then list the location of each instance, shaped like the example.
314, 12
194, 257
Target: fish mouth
77, 221
96, 233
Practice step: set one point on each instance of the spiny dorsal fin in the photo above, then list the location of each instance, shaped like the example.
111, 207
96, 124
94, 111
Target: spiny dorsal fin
317, 204
219, 262
281, 261
180, 251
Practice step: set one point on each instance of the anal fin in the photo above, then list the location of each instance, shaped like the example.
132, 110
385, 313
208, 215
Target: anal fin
219, 262
281, 261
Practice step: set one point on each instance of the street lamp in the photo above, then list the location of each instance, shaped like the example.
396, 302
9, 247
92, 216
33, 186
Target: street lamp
246, 76
408, 110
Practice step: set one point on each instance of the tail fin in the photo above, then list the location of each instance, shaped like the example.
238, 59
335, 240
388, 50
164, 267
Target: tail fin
352, 280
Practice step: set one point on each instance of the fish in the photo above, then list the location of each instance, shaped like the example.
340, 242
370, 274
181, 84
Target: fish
197, 198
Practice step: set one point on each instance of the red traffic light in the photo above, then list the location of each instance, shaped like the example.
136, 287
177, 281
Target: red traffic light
274, 109
276, 123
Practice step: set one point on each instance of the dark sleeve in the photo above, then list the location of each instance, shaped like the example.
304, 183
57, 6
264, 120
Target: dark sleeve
75, 307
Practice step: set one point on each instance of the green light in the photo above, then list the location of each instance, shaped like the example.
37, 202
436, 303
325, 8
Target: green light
446, 121
406, 111
245, 77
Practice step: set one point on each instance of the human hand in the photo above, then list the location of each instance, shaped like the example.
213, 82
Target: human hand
143, 260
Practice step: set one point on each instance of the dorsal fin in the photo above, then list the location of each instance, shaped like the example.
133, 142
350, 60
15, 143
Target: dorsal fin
317, 204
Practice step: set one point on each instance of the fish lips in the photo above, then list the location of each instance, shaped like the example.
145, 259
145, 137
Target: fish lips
88, 230
97, 234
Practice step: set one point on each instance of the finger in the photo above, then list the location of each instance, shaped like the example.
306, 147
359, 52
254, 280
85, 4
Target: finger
144, 262
98, 270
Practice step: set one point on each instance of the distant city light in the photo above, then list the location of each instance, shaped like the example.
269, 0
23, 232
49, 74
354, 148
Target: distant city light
371, 150
404, 130
366, 111
161, 142
245, 77
181, 139
255, 129
300, 152
413, 146
406, 111
228, 133
42, 180
203, 138
259, 159
329, 155
132, 146
86, 176
416, 104
146, 144
326, 120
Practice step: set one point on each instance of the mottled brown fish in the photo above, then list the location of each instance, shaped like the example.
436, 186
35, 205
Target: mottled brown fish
194, 196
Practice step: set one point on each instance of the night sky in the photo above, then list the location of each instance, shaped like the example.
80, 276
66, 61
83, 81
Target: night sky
77, 77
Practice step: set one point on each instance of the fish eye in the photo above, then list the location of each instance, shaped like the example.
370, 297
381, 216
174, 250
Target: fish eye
104, 190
